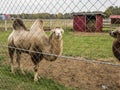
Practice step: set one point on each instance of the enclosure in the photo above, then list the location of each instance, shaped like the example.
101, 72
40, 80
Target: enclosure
88, 22
87, 61
115, 19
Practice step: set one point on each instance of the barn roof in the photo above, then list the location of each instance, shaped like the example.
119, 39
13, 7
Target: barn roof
115, 16
88, 13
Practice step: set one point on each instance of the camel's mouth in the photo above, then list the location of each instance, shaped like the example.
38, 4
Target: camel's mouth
58, 37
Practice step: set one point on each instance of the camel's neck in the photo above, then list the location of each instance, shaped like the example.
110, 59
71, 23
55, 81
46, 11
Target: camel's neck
55, 49
56, 45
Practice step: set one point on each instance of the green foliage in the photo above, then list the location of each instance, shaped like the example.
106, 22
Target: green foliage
43, 16
112, 10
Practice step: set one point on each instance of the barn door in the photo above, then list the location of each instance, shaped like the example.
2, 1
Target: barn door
99, 21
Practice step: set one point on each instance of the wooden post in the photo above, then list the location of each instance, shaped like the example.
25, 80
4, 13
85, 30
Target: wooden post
5, 25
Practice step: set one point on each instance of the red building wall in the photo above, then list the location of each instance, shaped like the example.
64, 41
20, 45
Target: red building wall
79, 23
99, 24
115, 19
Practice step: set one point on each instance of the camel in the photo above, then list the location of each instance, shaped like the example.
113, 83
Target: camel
34, 42
116, 43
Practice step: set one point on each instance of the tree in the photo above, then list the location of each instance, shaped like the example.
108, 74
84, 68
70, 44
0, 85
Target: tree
109, 11
60, 16
112, 10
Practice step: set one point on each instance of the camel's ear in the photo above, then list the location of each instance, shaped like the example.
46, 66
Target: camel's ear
62, 31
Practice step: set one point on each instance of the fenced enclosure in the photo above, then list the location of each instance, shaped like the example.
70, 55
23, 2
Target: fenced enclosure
87, 57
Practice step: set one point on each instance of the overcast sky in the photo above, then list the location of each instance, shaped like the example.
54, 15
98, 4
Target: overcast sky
54, 6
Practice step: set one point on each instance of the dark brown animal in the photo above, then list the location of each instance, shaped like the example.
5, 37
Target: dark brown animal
116, 43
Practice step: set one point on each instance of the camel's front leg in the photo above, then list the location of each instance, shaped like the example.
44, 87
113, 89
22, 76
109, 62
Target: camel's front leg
36, 58
11, 54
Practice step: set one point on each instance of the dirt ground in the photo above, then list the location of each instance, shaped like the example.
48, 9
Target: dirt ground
79, 74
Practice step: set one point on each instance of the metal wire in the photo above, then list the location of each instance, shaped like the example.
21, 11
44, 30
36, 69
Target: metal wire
84, 16
65, 57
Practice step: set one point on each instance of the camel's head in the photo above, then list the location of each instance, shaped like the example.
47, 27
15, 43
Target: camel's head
57, 32
115, 34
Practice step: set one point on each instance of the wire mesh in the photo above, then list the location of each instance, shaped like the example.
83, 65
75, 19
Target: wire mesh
86, 24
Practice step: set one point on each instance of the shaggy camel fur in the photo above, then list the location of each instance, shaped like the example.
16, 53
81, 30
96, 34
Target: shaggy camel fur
116, 43
34, 42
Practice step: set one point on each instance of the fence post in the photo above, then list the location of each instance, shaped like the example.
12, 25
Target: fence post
5, 25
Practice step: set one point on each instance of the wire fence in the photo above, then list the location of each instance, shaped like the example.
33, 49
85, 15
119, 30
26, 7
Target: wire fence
89, 27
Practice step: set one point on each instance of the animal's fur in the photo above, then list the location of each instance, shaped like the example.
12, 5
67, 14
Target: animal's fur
18, 24
34, 40
116, 43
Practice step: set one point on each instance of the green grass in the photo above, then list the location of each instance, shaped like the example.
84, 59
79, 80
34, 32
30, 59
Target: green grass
8, 81
92, 46
95, 46
4, 35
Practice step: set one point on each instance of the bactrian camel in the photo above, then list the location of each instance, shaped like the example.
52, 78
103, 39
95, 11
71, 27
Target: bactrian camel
34, 42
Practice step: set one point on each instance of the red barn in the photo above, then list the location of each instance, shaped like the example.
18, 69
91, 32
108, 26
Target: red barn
88, 22
115, 19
